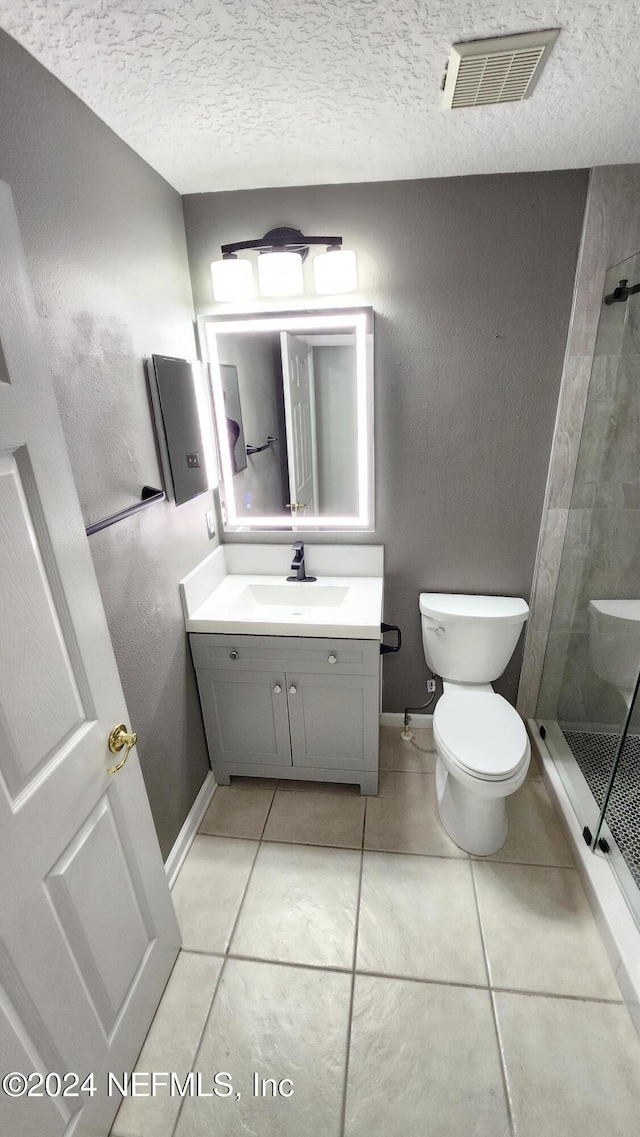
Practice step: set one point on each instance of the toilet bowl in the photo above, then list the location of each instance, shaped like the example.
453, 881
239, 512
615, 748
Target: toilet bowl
483, 747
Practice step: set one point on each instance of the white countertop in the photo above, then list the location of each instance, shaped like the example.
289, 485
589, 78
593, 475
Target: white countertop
340, 607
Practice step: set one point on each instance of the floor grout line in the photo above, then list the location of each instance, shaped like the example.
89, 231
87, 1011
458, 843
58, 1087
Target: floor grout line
244, 895
473, 859
494, 1016
343, 1109
198, 1048
396, 977
502, 1058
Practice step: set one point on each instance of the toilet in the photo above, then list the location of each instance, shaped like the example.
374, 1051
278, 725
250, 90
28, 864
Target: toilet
614, 643
483, 747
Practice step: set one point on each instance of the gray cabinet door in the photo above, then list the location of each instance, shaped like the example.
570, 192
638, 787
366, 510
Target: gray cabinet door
245, 716
333, 720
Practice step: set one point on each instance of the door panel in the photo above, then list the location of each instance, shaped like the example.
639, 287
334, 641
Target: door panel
88, 935
34, 659
334, 720
245, 718
300, 416
91, 881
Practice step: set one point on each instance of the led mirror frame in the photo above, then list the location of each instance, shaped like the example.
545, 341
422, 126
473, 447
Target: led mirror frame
359, 321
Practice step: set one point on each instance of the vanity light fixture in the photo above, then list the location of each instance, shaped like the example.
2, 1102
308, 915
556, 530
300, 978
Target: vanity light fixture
282, 252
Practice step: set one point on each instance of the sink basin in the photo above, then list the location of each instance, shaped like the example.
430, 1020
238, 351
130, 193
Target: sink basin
343, 607
296, 598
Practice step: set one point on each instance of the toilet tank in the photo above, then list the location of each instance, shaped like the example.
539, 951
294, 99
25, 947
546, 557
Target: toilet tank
470, 639
614, 641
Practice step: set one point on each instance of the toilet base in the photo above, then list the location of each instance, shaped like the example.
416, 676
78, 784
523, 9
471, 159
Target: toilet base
476, 824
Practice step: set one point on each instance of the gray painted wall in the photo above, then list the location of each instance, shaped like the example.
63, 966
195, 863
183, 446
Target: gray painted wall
105, 247
471, 280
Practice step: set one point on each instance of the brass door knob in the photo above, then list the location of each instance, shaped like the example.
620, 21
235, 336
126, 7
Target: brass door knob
296, 505
119, 738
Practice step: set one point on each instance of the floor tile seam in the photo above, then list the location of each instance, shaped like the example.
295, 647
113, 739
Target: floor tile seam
198, 1048
332, 967
347, 1053
275, 841
244, 896
502, 1058
529, 993
268, 815
494, 1018
475, 860
463, 859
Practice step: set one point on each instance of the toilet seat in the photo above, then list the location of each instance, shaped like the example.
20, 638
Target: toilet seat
481, 733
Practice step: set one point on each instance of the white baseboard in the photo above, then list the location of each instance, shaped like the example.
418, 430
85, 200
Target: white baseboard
396, 718
182, 843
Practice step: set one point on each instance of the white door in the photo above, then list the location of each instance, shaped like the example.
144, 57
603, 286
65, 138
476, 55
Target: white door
88, 935
300, 419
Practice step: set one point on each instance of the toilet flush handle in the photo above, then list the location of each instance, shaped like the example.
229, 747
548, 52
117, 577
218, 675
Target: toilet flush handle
439, 630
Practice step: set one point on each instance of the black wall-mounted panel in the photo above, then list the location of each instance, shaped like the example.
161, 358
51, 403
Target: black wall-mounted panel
175, 403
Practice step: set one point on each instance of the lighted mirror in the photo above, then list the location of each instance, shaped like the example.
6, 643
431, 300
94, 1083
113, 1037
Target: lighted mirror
297, 390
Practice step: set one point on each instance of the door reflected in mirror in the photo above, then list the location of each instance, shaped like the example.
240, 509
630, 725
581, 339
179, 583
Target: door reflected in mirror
293, 404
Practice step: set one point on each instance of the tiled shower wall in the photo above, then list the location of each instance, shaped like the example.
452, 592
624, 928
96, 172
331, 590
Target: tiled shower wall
611, 234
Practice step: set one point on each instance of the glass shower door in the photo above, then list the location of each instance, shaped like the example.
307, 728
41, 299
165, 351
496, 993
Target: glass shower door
586, 705
618, 831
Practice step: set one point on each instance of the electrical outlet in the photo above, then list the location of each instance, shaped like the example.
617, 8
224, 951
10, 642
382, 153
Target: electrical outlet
431, 686
211, 524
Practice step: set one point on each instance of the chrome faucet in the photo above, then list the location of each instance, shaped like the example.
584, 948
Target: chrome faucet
297, 565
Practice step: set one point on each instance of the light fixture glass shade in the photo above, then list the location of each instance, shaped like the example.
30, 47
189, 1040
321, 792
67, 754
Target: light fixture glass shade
280, 274
232, 279
335, 272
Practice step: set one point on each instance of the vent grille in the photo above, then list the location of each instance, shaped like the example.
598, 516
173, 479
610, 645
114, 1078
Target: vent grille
503, 70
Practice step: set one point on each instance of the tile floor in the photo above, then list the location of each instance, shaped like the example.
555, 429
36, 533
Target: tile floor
405, 988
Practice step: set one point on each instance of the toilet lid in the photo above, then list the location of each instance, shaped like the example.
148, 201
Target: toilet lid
482, 732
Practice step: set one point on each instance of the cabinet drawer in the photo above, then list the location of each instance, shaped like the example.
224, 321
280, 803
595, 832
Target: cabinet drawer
314, 656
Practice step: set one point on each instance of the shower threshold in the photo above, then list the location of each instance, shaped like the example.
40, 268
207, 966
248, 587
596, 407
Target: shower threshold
595, 753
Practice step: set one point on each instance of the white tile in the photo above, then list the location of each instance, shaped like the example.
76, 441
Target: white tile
418, 919
209, 890
535, 835
404, 817
281, 1022
238, 811
316, 818
423, 1062
300, 906
539, 932
171, 1045
573, 1068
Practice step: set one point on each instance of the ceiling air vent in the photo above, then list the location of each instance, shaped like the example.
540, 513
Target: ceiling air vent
502, 70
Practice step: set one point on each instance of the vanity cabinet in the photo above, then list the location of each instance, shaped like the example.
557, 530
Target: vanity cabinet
290, 707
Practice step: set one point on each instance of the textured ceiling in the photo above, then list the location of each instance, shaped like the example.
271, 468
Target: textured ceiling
230, 94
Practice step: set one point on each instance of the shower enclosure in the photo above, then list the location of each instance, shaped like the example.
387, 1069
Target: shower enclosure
588, 707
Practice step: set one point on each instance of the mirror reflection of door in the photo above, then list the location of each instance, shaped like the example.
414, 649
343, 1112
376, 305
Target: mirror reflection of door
233, 422
300, 417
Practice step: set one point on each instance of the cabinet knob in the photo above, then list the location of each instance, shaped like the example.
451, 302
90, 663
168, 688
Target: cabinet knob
332, 659
293, 689
234, 655
277, 689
